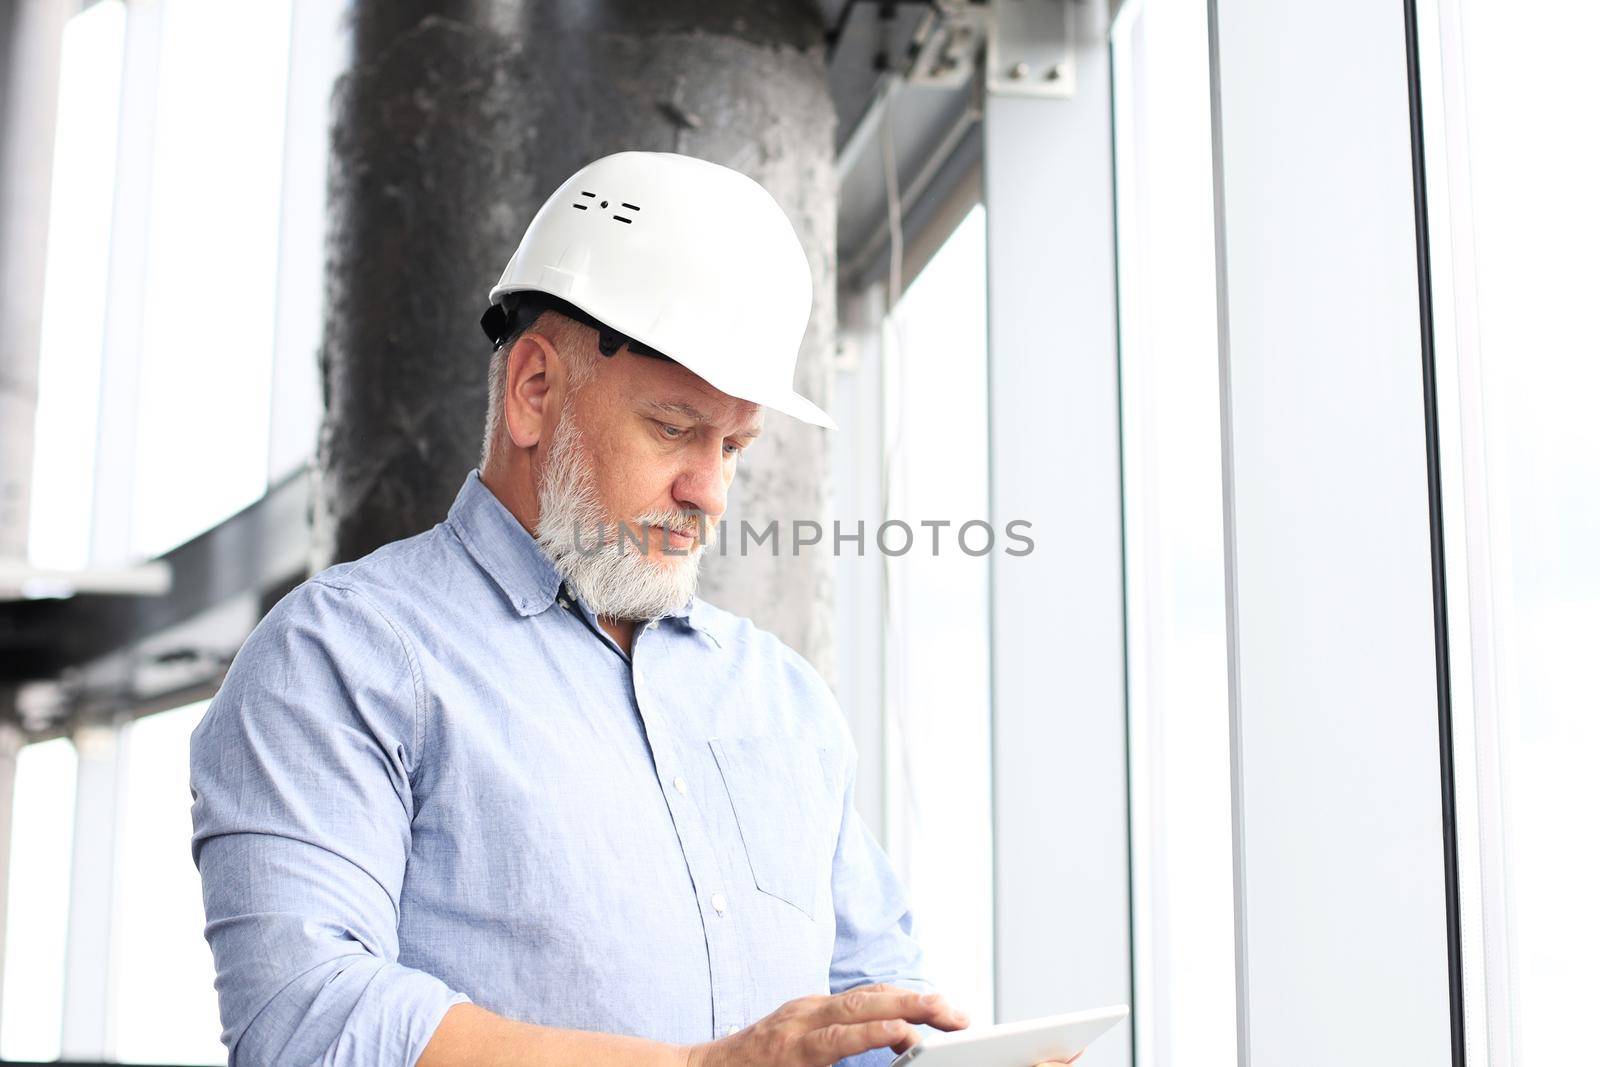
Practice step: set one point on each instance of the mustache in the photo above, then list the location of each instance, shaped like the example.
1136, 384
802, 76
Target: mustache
691, 523
677, 522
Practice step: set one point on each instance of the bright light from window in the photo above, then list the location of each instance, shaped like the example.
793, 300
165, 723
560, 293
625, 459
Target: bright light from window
206, 364
36, 906
1177, 642
77, 255
937, 645
164, 1007
1532, 153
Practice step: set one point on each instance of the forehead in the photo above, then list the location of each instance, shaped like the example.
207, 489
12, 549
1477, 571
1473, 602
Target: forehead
674, 389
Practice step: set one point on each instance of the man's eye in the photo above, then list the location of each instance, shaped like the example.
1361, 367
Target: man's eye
670, 432
732, 448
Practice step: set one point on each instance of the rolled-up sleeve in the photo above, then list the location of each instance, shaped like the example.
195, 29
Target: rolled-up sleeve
301, 772
875, 939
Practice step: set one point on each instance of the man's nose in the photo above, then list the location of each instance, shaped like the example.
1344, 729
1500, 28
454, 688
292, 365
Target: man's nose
703, 484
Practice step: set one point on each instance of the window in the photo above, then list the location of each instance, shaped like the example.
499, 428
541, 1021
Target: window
77, 258
191, 173
210, 289
36, 908
1514, 159
164, 1009
937, 641
1172, 485
181, 314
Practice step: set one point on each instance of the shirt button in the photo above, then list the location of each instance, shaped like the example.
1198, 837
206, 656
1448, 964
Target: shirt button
719, 903
681, 786
652, 624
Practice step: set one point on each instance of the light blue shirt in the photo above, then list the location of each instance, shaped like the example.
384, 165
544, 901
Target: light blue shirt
430, 777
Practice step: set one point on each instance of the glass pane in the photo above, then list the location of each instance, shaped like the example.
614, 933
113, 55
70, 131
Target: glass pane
937, 640
36, 906
210, 297
77, 258
318, 55
1177, 639
164, 1008
1522, 154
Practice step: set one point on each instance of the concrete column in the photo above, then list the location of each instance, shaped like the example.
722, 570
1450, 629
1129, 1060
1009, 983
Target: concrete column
453, 123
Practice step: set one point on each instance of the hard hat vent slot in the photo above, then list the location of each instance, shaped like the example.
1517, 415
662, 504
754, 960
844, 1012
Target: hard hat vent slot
607, 203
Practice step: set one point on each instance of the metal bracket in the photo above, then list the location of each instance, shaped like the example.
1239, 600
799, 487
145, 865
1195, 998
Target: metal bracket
1031, 48
947, 57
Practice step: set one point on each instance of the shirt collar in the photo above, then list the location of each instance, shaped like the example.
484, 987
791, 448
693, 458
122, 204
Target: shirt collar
516, 561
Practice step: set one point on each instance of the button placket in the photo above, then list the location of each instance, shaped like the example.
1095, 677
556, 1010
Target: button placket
729, 982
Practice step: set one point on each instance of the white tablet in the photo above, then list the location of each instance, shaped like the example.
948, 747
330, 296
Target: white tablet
1023, 1044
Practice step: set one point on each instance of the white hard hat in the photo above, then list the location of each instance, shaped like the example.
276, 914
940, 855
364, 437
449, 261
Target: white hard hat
694, 260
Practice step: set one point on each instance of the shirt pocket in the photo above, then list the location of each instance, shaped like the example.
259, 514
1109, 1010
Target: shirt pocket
778, 788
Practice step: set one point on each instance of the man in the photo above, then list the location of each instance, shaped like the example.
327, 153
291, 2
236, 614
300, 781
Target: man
506, 792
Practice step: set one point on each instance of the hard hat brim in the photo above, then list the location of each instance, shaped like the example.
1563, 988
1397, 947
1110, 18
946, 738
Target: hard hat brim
799, 407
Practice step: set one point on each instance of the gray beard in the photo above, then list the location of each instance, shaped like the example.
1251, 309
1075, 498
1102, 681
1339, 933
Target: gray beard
615, 579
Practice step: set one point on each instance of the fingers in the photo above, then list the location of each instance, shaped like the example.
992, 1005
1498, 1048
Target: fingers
889, 1002
838, 1041
826, 1029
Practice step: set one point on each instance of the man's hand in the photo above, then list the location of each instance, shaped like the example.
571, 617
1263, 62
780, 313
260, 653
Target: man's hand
819, 1031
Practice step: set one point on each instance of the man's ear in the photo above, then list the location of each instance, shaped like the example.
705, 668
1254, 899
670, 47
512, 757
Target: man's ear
528, 367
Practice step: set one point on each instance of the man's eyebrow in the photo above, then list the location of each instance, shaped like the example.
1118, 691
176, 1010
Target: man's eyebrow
689, 411
676, 407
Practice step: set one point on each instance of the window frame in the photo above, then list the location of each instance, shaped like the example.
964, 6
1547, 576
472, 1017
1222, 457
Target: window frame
1315, 215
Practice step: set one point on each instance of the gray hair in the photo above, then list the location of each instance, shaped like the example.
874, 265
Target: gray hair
571, 340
